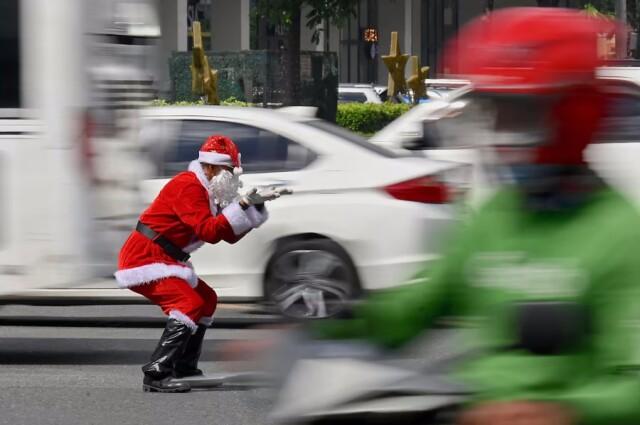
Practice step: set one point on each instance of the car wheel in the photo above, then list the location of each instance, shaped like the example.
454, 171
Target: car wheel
311, 279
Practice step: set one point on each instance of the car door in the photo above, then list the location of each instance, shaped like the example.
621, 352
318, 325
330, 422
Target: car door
268, 159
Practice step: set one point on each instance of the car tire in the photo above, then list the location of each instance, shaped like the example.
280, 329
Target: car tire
311, 279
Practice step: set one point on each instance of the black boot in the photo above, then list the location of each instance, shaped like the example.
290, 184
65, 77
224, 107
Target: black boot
158, 373
187, 365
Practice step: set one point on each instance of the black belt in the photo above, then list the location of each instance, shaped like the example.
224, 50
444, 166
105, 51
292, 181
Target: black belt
168, 247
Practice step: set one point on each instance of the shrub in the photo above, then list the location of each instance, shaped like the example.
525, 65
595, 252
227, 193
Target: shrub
231, 101
363, 118
368, 118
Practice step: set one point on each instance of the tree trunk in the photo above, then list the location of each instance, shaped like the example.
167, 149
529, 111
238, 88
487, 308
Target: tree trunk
632, 14
548, 3
291, 61
488, 6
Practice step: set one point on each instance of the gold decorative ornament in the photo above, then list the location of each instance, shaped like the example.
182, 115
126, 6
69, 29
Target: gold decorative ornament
416, 80
395, 62
204, 80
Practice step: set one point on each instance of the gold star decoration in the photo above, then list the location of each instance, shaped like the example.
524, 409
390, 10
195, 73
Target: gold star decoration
204, 80
416, 81
395, 62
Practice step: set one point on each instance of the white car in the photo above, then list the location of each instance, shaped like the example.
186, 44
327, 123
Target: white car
361, 93
361, 218
614, 157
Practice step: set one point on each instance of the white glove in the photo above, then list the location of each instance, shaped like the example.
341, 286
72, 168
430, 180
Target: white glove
256, 197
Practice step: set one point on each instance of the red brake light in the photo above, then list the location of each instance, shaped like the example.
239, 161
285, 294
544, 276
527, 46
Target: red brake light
426, 189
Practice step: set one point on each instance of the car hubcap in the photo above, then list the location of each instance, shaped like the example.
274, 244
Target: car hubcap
310, 283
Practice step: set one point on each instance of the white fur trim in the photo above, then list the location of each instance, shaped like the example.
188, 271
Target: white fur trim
184, 319
206, 321
215, 158
237, 217
237, 170
148, 273
257, 218
193, 246
196, 168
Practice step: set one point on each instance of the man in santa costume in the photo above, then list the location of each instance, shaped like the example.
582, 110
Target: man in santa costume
198, 206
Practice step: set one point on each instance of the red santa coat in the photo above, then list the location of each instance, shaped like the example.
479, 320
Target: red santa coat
185, 214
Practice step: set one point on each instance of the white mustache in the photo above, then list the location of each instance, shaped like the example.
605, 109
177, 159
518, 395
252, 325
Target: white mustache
224, 187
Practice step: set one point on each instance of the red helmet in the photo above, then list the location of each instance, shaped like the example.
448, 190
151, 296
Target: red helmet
220, 150
535, 69
528, 50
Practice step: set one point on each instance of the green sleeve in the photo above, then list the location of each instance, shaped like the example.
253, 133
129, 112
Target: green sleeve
395, 317
612, 395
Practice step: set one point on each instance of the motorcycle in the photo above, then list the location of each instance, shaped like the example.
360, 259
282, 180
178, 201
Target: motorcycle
352, 382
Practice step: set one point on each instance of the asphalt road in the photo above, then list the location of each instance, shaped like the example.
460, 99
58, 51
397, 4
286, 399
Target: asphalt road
81, 365
90, 375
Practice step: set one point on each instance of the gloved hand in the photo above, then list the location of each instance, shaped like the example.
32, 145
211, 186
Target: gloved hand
257, 197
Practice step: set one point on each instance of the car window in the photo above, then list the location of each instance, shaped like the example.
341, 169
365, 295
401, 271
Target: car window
350, 137
261, 150
622, 122
345, 97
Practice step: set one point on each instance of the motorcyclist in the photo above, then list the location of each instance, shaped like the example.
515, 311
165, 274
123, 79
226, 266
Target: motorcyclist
546, 271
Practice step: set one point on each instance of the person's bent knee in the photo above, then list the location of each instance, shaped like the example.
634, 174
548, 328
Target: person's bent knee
210, 305
191, 305
210, 299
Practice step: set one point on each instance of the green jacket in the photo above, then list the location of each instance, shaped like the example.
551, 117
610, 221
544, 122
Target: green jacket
590, 255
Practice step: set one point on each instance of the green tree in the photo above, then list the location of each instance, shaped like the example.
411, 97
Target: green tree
287, 14
607, 7
595, 11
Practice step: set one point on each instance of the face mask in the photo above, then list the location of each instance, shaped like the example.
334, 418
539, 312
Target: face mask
224, 187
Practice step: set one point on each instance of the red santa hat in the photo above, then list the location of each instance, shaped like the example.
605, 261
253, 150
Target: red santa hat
220, 150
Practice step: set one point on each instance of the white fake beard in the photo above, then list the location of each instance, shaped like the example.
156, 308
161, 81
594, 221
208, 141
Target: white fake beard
224, 187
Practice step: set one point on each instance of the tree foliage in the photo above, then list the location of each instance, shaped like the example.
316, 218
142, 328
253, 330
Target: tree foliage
608, 7
283, 12
592, 10
287, 15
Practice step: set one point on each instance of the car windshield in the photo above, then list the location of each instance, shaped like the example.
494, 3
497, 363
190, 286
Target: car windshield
351, 137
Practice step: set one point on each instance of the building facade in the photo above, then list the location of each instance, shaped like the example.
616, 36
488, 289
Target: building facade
423, 27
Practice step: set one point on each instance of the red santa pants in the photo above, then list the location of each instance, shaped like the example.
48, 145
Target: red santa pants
177, 299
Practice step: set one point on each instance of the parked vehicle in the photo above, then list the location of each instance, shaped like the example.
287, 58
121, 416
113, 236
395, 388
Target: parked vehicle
360, 93
621, 70
333, 238
418, 132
